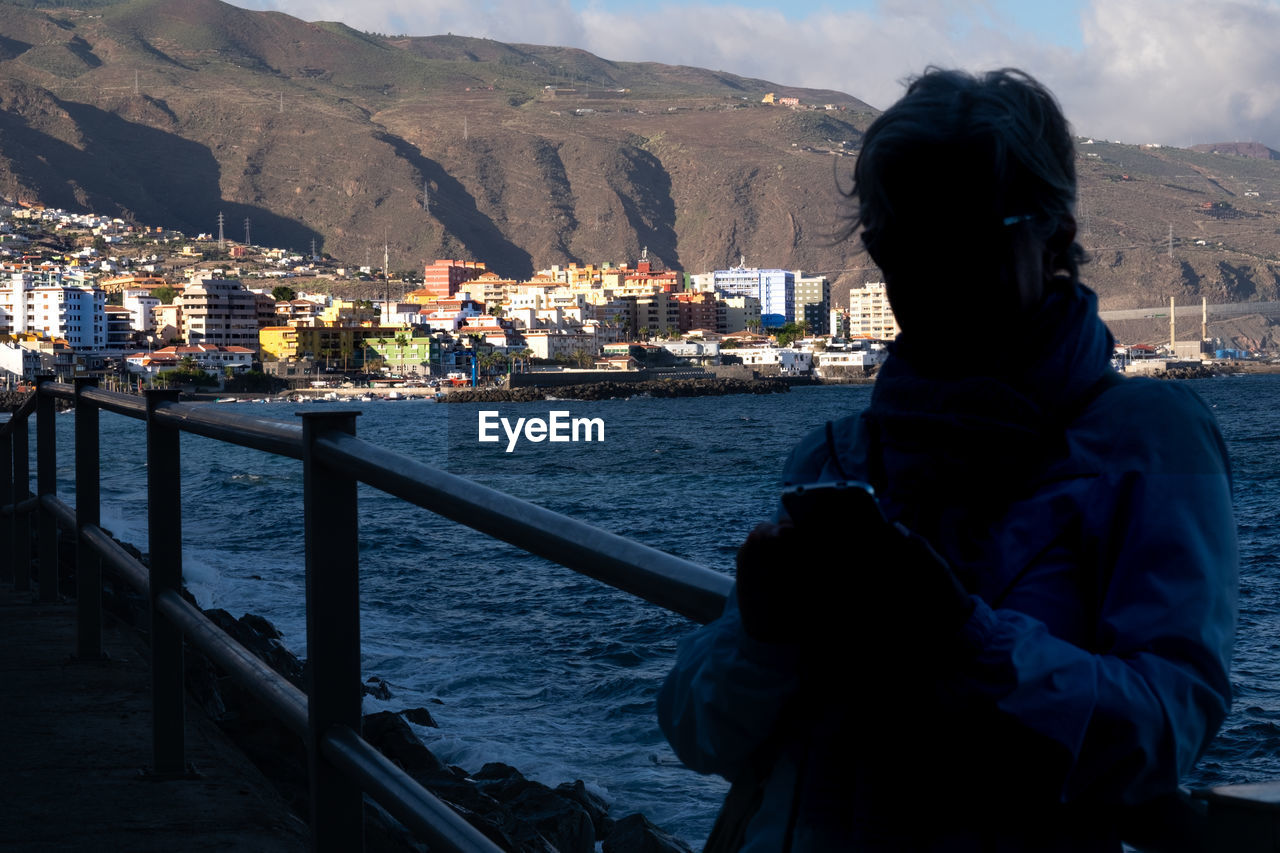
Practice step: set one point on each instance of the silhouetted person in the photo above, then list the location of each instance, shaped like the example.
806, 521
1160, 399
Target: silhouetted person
1036, 648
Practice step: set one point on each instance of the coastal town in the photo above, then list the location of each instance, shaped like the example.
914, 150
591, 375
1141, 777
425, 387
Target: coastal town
142, 306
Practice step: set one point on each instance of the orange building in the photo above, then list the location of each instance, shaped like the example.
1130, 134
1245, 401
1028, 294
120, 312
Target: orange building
697, 310
441, 279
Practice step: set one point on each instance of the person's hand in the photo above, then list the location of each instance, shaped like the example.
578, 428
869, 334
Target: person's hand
771, 597
880, 583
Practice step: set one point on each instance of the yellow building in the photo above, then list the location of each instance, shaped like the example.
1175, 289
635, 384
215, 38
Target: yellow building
421, 297
278, 343
344, 312
339, 346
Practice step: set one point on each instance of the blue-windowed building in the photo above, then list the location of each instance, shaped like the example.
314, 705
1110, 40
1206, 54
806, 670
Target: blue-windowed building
774, 288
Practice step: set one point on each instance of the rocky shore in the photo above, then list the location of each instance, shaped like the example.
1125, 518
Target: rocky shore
516, 813
11, 400
709, 387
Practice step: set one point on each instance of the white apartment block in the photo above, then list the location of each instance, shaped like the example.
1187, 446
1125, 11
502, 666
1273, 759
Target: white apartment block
791, 362
548, 343
140, 303
702, 282
869, 313
219, 312
43, 303
539, 307
832, 362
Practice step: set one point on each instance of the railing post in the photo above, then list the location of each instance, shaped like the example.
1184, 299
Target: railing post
164, 542
334, 695
6, 498
88, 510
20, 552
47, 484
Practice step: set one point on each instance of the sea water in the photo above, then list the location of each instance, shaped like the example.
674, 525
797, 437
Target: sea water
525, 662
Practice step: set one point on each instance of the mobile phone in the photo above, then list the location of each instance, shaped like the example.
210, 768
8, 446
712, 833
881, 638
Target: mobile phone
832, 502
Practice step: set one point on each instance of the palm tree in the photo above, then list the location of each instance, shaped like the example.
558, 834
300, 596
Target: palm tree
520, 358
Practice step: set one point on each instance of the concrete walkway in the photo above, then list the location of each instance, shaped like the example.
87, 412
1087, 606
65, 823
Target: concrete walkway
75, 736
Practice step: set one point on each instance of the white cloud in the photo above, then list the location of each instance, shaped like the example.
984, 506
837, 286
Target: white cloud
1170, 71
1181, 72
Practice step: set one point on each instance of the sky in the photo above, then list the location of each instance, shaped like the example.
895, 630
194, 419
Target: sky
1173, 72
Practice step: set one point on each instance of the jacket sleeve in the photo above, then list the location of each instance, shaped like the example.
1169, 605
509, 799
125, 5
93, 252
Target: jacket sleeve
723, 697
1135, 712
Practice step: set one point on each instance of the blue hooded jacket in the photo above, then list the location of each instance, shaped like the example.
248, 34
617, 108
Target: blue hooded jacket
1096, 536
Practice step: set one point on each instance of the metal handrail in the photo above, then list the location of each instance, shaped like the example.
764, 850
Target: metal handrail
656, 576
327, 449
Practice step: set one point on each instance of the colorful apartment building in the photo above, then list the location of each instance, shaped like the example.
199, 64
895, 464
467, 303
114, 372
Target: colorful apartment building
443, 279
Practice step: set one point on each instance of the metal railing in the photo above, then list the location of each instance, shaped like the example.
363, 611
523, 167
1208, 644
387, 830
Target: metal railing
327, 717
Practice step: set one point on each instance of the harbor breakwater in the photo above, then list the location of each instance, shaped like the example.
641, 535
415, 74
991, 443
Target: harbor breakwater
662, 388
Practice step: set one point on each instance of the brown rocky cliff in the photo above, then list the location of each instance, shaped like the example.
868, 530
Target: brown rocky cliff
173, 112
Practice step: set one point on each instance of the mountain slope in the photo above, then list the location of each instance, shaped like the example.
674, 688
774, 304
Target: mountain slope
173, 111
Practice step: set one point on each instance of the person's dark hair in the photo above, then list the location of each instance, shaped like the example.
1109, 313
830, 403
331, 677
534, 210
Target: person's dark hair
956, 159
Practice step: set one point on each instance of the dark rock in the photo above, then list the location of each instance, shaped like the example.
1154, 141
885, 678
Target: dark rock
261, 637
500, 781
701, 387
1196, 371
377, 688
392, 736
495, 820
260, 625
635, 834
420, 717
493, 395
597, 809
559, 819
11, 401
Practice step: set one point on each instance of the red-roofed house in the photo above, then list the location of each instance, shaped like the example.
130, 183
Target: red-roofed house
215, 359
